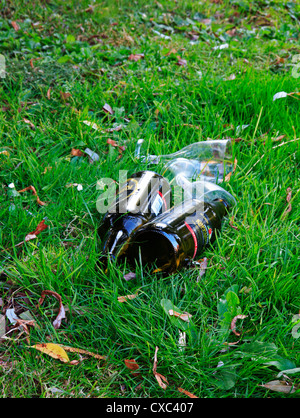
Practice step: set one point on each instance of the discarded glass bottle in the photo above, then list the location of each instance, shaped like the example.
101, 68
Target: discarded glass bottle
177, 236
206, 160
144, 196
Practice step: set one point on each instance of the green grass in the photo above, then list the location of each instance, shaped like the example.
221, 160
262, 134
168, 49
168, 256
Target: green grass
170, 106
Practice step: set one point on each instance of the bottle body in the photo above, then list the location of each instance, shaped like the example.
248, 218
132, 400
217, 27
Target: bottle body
177, 236
207, 160
144, 196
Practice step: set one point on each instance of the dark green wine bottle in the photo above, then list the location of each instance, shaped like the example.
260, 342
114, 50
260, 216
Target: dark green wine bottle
144, 196
177, 236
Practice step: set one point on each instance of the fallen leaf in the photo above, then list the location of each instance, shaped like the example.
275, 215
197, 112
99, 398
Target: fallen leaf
107, 109
184, 316
181, 62
278, 138
132, 366
32, 235
53, 350
189, 394
284, 94
228, 176
172, 51
135, 57
223, 46
32, 126
64, 96
4, 153
233, 323
76, 152
159, 377
114, 129
23, 324
115, 144
49, 93
161, 34
279, 95
61, 314
280, 386
32, 61
231, 223
231, 77
32, 188
288, 198
203, 267
11, 316
93, 125
48, 168
96, 127
15, 25
126, 298
81, 351
129, 276
41, 227
77, 185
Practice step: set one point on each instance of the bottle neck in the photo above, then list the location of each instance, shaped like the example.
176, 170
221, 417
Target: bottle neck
221, 207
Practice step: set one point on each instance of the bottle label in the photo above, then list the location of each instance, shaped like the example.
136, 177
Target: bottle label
201, 232
158, 203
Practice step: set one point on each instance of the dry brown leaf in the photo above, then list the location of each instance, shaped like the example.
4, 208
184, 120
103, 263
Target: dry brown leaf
49, 93
81, 351
15, 25
132, 366
32, 61
24, 324
231, 224
76, 152
184, 316
189, 394
159, 377
126, 298
64, 96
61, 314
113, 143
32, 126
32, 235
135, 57
32, 188
233, 323
288, 198
48, 168
172, 51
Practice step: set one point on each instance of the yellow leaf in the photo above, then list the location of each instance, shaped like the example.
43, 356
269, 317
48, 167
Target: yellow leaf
52, 350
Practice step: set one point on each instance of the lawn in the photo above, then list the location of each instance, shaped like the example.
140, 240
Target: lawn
101, 75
